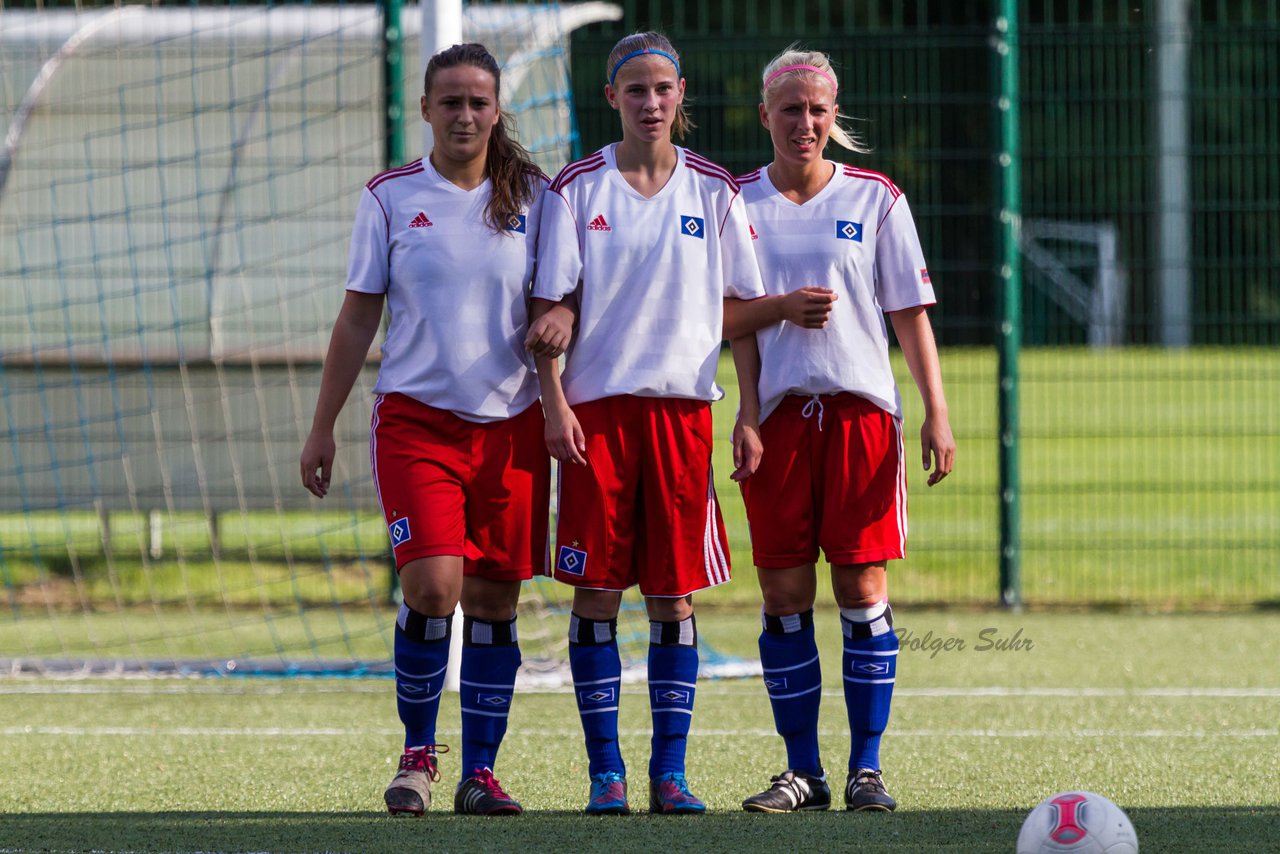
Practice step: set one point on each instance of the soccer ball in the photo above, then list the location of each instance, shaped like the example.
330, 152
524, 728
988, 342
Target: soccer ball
1079, 822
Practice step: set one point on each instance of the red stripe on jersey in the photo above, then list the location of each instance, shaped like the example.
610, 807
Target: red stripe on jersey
385, 218
855, 172
749, 178
715, 170
573, 170
887, 212
399, 172
698, 158
716, 173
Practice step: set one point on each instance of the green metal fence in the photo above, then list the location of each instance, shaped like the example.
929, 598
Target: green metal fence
1147, 448
1150, 200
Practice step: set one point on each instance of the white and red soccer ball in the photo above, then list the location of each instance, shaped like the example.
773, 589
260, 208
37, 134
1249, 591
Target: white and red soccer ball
1077, 822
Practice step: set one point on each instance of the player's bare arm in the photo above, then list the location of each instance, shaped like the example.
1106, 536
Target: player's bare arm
747, 446
809, 307
915, 336
565, 439
353, 333
550, 334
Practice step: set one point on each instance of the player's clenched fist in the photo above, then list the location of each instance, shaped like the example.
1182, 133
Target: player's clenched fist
549, 335
808, 307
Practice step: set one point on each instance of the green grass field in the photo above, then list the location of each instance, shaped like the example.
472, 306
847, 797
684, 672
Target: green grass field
1149, 482
1174, 717
1148, 477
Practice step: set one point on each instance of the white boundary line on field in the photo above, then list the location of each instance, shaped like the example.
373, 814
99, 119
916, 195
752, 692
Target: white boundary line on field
1084, 692
339, 732
42, 687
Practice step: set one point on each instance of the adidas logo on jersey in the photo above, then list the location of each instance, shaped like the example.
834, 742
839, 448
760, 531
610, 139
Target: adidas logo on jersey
599, 224
421, 221
754, 236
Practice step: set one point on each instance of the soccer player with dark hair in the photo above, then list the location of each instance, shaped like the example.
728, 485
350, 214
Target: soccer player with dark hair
447, 242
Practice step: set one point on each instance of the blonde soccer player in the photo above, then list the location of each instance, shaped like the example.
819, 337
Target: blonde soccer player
838, 251
653, 240
446, 244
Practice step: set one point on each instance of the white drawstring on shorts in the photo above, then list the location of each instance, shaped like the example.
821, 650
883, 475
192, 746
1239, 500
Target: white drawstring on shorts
808, 410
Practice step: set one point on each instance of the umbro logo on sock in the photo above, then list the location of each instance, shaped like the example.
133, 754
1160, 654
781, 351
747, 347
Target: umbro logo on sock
421, 221
599, 224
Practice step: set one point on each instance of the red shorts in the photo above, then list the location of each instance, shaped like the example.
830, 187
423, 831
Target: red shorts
455, 487
834, 479
643, 509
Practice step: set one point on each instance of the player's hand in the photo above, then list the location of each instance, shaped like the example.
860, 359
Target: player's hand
565, 439
317, 462
937, 446
808, 307
550, 334
747, 449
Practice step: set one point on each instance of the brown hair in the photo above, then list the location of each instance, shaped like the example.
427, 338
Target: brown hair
638, 42
507, 165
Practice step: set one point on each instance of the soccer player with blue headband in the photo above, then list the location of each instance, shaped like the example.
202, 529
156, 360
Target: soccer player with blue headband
613, 75
653, 241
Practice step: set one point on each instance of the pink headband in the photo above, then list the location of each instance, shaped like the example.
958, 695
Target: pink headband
815, 69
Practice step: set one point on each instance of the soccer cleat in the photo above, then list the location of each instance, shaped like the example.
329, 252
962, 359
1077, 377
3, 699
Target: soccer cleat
791, 791
410, 790
669, 795
865, 792
481, 794
608, 795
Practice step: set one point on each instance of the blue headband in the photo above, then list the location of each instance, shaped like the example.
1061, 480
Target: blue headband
614, 74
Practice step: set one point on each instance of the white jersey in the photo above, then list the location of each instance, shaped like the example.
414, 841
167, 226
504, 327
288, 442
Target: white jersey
856, 237
654, 275
455, 289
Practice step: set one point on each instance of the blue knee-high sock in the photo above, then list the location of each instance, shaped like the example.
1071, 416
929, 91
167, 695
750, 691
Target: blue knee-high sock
597, 677
793, 678
421, 656
870, 666
490, 659
673, 673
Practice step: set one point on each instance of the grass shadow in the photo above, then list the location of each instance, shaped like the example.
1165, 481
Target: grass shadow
1176, 829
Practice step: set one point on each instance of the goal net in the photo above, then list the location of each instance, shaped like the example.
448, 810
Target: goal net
176, 194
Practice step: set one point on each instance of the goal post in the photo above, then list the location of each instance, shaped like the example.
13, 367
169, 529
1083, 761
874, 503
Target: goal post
176, 198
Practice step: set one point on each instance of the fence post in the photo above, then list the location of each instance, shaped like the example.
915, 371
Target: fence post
441, 28
1173, 187
392, 75
1009, 338
392, 149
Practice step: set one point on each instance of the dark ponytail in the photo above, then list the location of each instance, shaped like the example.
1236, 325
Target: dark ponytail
511, 172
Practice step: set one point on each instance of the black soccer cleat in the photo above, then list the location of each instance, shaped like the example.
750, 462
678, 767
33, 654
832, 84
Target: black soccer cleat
865, 792
792, 791
482, 794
